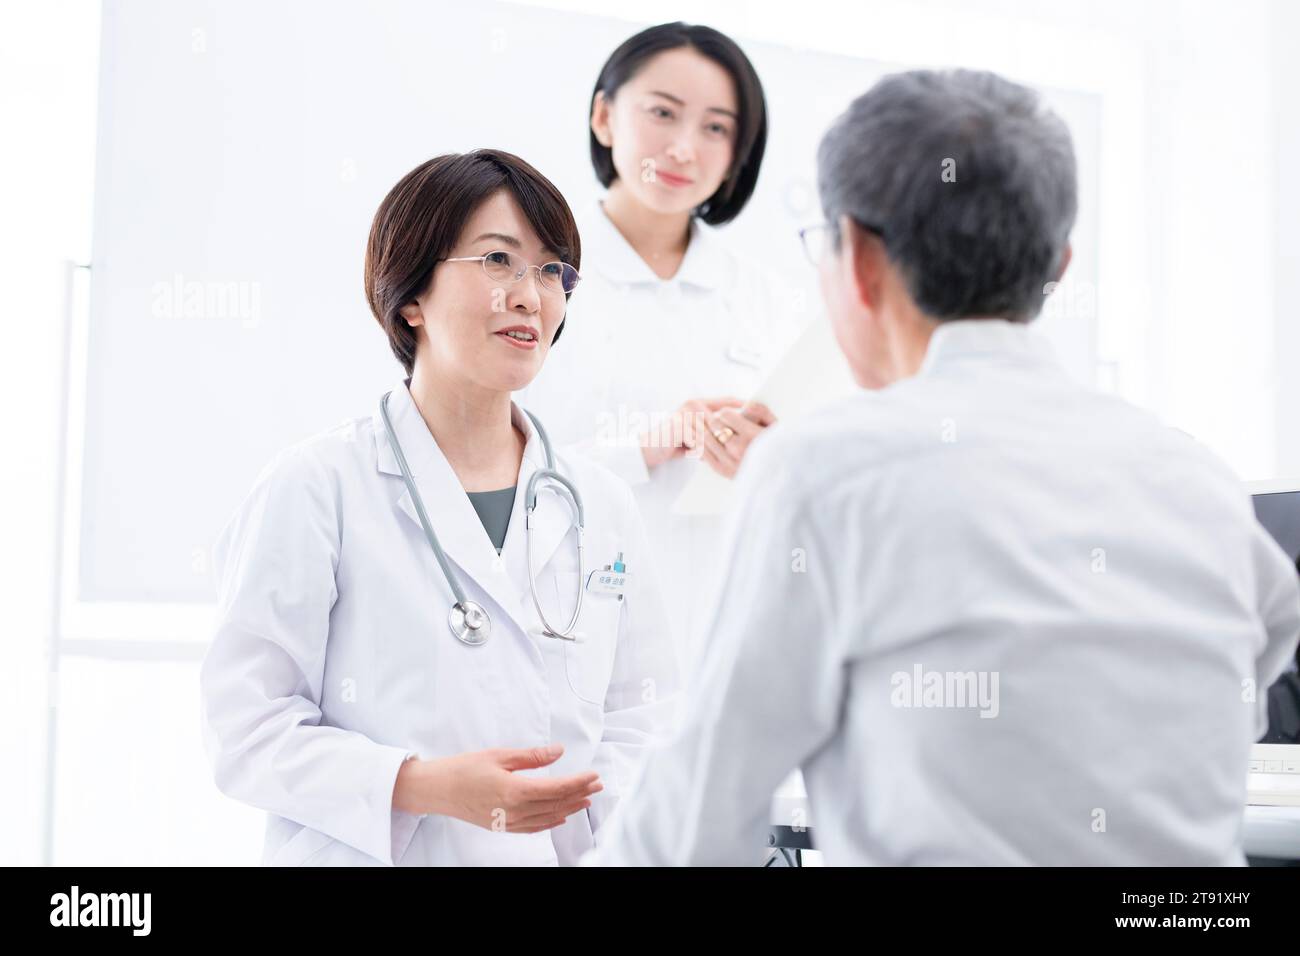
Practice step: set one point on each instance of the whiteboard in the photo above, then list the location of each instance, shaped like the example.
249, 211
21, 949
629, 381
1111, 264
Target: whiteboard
243, 148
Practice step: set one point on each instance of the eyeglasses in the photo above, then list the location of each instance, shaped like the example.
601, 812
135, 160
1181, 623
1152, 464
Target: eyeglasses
816, 239
506, 267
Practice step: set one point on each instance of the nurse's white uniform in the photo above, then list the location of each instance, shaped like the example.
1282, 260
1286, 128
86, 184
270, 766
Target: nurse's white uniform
332, 661
634, 348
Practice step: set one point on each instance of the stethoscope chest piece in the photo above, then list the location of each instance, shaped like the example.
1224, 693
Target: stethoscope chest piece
470, 623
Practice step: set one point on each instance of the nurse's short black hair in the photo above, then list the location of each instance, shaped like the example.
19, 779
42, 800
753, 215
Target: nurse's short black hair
421, 218
751, 136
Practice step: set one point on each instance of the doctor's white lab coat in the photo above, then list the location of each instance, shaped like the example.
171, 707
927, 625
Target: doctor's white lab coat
332, 660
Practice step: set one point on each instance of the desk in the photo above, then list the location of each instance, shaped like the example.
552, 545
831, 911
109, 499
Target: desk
1272, 832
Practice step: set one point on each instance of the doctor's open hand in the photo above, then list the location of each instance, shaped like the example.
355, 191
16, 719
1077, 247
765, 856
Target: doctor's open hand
483, 788
727, 433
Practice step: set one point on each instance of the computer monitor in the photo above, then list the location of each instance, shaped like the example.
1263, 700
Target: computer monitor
1275, 759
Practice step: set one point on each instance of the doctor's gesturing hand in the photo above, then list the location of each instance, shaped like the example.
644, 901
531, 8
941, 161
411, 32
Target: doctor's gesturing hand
721, 428
482, 788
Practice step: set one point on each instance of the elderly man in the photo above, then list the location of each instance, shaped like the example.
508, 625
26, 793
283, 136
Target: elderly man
995, 616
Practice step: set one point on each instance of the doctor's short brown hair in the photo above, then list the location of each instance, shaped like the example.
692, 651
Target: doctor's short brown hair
421, 219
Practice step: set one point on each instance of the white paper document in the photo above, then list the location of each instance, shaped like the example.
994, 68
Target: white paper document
810, 374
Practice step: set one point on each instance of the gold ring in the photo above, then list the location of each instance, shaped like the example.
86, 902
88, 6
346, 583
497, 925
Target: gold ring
723, 434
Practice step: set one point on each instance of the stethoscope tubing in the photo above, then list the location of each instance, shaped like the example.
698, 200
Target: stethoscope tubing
469, 610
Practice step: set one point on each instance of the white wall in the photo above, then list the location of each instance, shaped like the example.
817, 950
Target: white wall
49, 53
1286, 215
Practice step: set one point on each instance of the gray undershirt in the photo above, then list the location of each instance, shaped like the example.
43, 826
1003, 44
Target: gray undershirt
494, 509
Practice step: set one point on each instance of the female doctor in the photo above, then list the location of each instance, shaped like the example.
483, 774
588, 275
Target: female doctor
676, 327
402, 672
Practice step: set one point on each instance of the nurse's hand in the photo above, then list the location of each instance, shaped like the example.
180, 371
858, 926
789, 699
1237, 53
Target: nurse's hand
483, 788
738, 427
678, 434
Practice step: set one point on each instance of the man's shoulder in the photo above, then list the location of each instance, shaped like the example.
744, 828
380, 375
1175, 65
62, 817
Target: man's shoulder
922, 423
856, 431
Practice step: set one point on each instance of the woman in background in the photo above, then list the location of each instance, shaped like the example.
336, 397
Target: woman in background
673, 329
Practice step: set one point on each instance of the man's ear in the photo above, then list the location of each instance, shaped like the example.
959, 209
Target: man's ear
1066, 256
864, 257
600, 119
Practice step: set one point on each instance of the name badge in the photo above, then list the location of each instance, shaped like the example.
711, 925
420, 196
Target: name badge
744, 354
611, 579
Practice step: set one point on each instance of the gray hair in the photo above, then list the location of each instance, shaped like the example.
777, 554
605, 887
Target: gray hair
969, 179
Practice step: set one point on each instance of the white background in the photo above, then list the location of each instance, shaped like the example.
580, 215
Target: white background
1183, 115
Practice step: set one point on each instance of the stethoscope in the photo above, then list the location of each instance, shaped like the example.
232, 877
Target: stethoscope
468, 621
